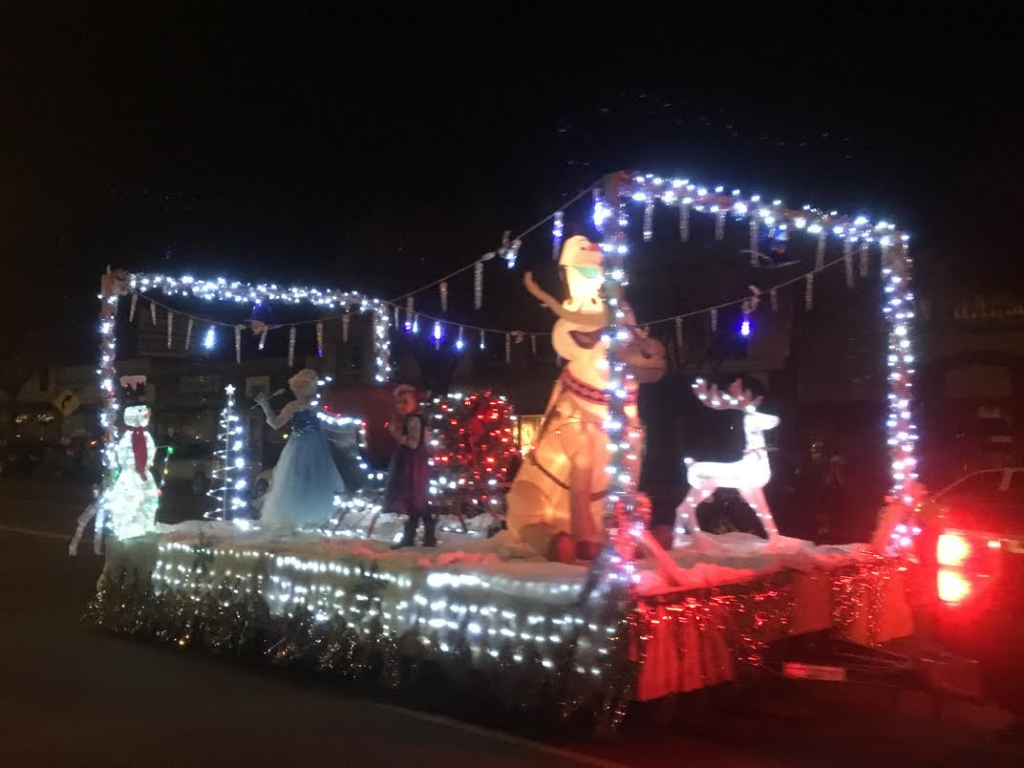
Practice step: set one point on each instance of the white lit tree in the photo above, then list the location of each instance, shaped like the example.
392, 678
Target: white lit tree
229, 473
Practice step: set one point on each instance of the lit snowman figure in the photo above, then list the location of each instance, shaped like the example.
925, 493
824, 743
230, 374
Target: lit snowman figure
133, 498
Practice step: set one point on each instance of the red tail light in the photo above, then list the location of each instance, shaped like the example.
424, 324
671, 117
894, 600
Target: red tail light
953, 587
968, 563
952, 550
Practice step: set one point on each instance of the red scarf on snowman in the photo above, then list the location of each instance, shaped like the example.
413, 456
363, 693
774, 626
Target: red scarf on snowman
139, 450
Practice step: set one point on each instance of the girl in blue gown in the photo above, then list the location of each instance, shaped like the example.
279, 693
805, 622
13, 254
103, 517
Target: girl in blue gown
305, 479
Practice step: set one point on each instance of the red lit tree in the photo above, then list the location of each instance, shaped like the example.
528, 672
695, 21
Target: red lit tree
473, 447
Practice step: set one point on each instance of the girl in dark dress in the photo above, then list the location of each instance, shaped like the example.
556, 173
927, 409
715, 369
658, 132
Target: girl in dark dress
406, 491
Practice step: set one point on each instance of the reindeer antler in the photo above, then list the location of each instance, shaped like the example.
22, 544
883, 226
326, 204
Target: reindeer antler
737, 398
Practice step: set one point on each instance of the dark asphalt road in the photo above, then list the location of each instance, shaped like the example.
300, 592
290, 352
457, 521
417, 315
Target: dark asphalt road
72, 695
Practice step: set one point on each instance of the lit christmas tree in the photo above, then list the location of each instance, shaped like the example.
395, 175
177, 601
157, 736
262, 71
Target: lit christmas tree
229, 473
473, 449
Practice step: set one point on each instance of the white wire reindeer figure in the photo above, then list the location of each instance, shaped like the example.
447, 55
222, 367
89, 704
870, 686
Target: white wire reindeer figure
748, 475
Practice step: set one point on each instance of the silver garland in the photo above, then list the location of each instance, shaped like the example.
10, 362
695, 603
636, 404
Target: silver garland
232, 619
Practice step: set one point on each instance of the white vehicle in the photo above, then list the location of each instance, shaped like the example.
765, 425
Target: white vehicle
191, 465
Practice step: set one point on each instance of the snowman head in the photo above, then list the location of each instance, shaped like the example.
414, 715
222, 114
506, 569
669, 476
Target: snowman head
581, 262
136, 416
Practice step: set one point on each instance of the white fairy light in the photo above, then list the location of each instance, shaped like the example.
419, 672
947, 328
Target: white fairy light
511, 253
684, 219
648, 231
381, 344
557, 231
902, 431
755, 231
622, 468
478, 284
864, 259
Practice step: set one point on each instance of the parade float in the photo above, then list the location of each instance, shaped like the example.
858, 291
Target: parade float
577, 604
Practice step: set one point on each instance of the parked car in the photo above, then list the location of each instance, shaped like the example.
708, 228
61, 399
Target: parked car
30, 460
972, 548
83, 460
192, 465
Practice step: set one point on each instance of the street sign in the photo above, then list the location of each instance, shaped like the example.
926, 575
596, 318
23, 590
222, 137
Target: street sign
255, 385
67, 402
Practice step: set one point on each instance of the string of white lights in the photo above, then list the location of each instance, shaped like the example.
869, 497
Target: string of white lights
623, 448
688, 196
478, 262
442, 328
898, 309
239, 292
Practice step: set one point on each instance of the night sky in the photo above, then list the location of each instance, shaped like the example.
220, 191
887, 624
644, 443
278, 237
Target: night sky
379, 153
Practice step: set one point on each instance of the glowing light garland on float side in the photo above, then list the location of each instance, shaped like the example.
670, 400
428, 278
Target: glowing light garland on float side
622, 455
107, 375
898, 308
238, 292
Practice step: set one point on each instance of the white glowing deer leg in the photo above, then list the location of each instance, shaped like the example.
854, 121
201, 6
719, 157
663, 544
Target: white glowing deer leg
686, 514
755, 498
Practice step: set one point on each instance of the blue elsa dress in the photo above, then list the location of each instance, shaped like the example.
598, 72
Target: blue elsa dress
305, 478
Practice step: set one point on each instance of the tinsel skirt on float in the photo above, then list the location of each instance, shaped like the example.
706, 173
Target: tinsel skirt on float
305, 478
